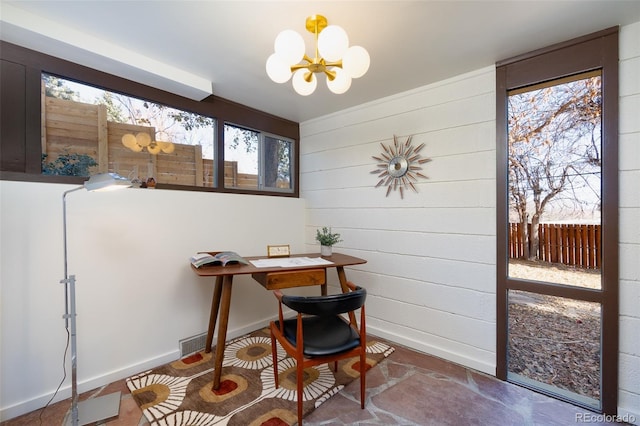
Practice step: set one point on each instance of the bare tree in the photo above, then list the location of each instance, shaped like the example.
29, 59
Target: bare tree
554, 151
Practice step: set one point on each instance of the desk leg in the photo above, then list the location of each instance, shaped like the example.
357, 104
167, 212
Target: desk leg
324, 287
222, 329
215, 305
345, 289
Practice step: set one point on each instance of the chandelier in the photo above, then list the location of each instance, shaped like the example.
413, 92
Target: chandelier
142, 140
333, 57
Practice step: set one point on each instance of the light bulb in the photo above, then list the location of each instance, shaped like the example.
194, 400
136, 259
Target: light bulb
289, 47
333, 42
340, 83
277, 69
300, 85
356, 61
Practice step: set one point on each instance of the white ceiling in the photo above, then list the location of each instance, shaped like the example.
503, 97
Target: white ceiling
190, 46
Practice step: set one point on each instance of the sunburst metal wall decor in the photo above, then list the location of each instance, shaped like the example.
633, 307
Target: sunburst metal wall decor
398, 166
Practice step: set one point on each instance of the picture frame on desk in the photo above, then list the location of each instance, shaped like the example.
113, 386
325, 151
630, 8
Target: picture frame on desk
278, 250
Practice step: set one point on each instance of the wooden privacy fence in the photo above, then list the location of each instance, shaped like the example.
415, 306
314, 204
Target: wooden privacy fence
569, 244
79, 128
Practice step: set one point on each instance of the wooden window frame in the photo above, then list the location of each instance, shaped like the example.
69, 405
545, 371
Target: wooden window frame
594, 51
20, 117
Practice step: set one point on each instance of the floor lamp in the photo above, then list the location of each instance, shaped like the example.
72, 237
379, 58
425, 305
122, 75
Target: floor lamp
94, 409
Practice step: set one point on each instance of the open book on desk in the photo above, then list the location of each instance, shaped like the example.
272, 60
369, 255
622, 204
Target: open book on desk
222, 258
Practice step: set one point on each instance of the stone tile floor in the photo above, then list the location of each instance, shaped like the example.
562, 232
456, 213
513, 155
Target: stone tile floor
408, 388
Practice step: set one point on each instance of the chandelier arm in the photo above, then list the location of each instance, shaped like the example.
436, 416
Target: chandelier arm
331, 75
299, 66
334, 64
308, 76
296, 67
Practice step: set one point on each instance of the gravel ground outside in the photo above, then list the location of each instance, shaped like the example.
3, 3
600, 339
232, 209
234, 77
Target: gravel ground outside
551, 339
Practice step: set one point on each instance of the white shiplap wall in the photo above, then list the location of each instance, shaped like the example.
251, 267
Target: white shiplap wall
431, 256
629, 181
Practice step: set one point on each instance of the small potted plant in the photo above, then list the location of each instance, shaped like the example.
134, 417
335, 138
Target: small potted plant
327, 239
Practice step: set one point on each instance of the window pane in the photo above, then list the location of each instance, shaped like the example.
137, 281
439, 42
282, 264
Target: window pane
89, 130
555, 174
555, 342
277, 164
240, 157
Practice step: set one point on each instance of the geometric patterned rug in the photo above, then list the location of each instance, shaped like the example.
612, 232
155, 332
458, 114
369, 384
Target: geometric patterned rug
180, 393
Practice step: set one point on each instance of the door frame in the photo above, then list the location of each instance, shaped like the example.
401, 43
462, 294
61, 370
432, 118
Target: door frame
594, 51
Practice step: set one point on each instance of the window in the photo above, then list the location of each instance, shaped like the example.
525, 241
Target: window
256, 160
171, 122
87, 130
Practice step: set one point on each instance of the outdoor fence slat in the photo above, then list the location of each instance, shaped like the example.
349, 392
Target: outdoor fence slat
566, 252
103, 140
541, 242
580, 246
571, 242
554, 244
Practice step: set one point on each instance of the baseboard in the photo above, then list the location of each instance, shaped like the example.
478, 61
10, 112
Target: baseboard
472, 363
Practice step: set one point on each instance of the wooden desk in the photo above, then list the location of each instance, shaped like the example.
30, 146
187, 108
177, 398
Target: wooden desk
271, 279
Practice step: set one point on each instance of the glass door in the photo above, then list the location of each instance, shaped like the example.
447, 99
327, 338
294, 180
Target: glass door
557, 243
554, 173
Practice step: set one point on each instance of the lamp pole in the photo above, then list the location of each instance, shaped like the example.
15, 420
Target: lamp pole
70, 311
100, 408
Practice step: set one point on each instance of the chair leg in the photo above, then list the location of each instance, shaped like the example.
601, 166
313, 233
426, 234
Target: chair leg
274, 357
299, 380
363, 375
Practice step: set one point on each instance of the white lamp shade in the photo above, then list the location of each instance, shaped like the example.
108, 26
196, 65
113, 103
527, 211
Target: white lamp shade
340, 83
106, 182
289, 47
333, 42
143, 139
301, 86
278, 70
356, 61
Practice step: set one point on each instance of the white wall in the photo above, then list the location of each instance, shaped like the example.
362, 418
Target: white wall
629, 181
431, 274
136, 294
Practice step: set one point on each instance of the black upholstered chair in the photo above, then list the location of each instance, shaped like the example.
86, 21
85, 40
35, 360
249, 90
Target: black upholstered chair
319, 334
